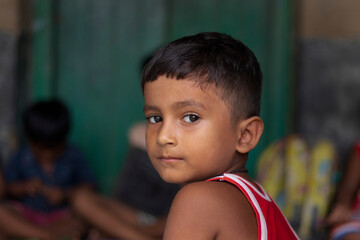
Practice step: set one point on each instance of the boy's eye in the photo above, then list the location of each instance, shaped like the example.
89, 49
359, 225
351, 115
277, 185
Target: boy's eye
191, 118
154, 119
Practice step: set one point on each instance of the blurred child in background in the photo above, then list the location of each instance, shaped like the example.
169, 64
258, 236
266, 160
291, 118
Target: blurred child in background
42, 176
344, 216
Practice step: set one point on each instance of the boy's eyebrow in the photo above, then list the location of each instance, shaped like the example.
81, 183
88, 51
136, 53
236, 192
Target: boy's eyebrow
149, 108
177, 105
189, 103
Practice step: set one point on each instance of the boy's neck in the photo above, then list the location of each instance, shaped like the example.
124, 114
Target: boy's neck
239, 170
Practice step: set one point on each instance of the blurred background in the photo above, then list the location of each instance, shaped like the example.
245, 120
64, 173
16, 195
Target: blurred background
89, 53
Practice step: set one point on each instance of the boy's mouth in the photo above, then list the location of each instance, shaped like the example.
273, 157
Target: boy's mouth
166, 158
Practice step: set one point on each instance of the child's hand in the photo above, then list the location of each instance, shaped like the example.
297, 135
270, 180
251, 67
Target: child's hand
54, 195
339, 213
33, 186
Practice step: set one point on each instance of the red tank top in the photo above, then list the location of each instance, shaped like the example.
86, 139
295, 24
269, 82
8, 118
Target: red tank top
272, 224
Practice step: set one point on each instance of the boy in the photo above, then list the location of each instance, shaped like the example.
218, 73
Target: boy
202, 103
42, 177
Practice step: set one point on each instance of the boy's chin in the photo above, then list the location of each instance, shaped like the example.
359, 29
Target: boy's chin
178, 180
172, 179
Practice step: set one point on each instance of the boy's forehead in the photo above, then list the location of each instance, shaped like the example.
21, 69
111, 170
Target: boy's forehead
183, 87
181, 93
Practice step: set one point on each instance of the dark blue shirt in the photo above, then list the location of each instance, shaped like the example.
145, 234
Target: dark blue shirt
70, 170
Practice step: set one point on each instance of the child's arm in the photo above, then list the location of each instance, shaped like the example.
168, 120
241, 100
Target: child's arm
57, 195
347, 189
26, 187
210, 210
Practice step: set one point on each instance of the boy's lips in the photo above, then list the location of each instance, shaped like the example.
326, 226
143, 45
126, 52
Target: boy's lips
169, 158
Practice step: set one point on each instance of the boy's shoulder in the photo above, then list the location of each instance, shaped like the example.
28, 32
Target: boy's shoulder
218, 206
213, 194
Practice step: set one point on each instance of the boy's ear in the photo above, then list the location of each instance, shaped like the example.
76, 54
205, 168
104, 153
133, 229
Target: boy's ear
249, 131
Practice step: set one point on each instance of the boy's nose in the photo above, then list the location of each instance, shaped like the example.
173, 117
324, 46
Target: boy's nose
166, 135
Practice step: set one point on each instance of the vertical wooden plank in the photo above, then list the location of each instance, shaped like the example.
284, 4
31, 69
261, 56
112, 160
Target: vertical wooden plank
42, 59
278, 84
279, 93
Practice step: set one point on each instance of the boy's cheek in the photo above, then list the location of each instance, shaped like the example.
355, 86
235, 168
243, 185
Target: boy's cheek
154, 163
150, 150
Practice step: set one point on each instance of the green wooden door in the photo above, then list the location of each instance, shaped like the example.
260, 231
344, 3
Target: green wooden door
89, 53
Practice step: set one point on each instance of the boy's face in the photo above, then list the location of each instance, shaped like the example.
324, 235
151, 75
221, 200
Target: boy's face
189, 135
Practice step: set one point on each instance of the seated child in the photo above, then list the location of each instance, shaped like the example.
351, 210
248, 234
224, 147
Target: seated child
344, 216
202, 102
42, 176
13, 225
141, 202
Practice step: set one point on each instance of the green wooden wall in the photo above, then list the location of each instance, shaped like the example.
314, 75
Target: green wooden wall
89, 53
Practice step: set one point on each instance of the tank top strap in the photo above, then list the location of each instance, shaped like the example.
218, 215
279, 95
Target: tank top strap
243, 183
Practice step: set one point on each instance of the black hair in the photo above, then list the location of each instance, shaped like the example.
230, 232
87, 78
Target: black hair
47, 123
212, 58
